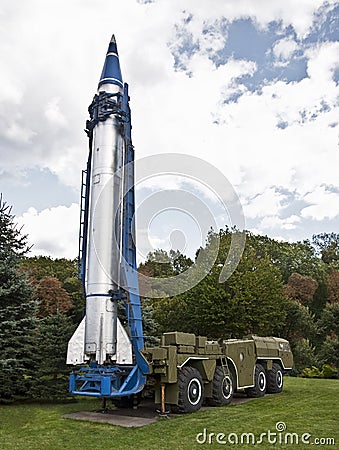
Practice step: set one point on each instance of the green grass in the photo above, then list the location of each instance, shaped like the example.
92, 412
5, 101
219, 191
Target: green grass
306, 406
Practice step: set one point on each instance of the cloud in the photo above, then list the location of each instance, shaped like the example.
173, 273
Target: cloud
323, 204
268, 203
272, 222
284, 49
54, 114
184, 97
53, 231
323, 60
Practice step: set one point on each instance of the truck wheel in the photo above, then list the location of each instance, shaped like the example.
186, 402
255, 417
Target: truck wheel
222, 388
259, 388
275, 379
190, 389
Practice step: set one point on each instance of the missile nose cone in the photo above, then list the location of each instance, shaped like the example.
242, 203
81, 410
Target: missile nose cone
111, 72
112, 45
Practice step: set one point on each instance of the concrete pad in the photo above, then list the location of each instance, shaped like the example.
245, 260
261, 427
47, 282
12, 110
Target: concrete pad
113, 419
143, 415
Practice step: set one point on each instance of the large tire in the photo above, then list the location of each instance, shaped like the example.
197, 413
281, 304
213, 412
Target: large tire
260, 383
222, 387
275, 379
190, 390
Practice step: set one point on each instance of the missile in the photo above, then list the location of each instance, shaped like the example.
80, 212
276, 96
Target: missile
100, 337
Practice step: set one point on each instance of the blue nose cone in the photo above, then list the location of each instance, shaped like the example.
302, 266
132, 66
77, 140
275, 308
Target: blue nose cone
111, 72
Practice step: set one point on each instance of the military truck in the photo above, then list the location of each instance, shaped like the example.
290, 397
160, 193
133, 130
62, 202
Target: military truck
189, 370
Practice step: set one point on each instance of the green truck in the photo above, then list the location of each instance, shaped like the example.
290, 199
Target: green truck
189, 370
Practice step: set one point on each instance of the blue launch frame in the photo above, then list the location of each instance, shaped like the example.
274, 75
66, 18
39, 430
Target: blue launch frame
112, 381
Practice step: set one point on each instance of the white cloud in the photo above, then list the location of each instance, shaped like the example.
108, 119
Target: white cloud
19, 134
272, 222
284, 49
53, 231
54, 114
268, 203
323, 60
324, 204
53, 64
299, 14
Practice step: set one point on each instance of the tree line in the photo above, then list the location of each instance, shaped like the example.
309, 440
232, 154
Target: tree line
284, 289
290, 290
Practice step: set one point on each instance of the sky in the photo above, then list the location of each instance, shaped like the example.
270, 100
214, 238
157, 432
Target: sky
250, 87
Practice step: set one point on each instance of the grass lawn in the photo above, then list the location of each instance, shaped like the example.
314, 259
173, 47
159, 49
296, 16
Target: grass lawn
306, 406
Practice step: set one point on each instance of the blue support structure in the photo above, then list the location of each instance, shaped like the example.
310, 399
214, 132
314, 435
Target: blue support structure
133, 306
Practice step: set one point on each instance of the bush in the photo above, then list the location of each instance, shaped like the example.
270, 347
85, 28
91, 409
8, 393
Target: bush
313, 372
304, 354
329, 372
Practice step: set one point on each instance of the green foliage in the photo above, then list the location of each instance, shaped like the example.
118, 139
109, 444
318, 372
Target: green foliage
44, 266
303, 353
252, 300
327, 246
329, 351
248, 302
289, 258
17, 309
328, 322
299, 323
50, 377
161, 264
41, 268
149, 324
329, 371
313, 372
12, 241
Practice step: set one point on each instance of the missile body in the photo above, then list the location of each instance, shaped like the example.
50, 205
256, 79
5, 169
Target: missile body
102, 335
113, 364
105, 196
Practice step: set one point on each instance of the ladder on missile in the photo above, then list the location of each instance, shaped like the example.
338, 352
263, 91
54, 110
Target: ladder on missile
83, 227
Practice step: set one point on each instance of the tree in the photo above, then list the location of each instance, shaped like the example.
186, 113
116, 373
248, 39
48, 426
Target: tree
328, 323
333, 286
44, 266
150, 326
17, 309
50, 381
161, 264
51, 297
329, 351
304, 353
296, 257
299, 323
327, 246
250, 301
301, 288
62, 269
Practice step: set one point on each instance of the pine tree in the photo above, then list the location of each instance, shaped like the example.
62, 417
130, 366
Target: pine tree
17, 309
50, 380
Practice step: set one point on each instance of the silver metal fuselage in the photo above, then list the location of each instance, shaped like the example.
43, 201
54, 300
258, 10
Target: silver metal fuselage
103, 262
